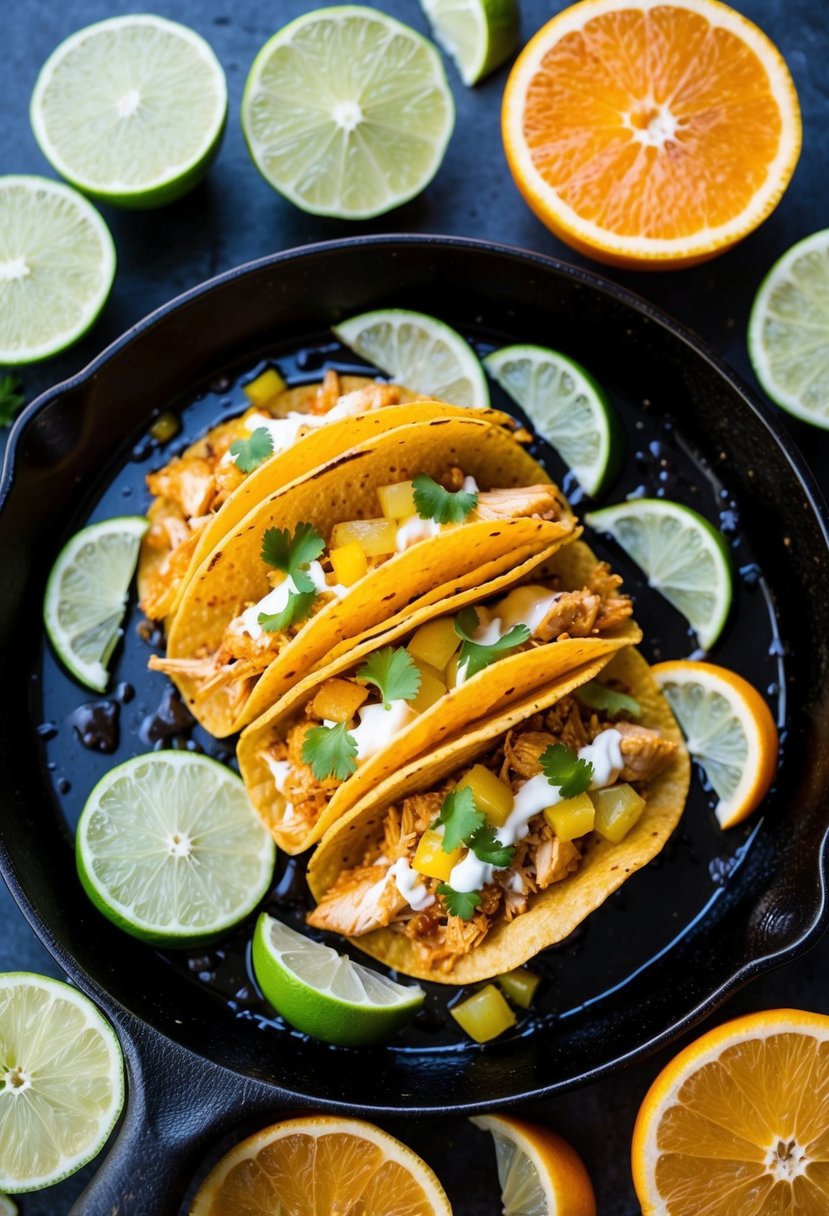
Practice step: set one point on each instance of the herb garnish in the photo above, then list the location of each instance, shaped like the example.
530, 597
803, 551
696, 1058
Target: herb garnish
11, 399
460, 818
488, 848
459, 903
563, 768
443, 506
330, 751
291, 555
475, 656
463, 824
600, 696
250, 453
394, 672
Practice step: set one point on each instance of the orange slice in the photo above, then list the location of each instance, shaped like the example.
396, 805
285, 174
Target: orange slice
738, 1123
651, 135
539, 1172
321, 1164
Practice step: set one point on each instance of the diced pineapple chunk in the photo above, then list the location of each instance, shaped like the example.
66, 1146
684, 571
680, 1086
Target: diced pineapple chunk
338, 700
492, 795
571, 818
484, 1015
435, 642
617, 810
375, 537
264, 388
349, 562
519, 985
432, 687
451, 672
397, 500
430, 858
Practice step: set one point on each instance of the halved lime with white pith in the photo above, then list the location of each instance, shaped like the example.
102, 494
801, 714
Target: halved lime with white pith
417, 350
57, 263
324, 993
347, 112
683, 556
169, 848
61, 1081
565, 405
86, 595
131, 110
478, 34
788, 331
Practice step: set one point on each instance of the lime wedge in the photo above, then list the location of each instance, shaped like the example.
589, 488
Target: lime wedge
788, 331
683, 556
539, 1172
131, 110
347, 112
324, 993
478, 34
169, 849
57, 263
61, 1081
565, 405
419, 351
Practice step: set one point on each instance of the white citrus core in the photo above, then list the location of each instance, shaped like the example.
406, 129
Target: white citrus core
17, 268
347, 115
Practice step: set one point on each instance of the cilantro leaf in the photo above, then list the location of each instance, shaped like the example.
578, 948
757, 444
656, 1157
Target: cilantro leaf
600, 696
394, 672
562, 767
330, 751
443, 506
459, 903
475, 656
488, 848
291, 554
460, 818
11, 398
249, 453
298, 607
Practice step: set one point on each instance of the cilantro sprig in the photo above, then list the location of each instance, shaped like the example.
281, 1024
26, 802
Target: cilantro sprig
563, 768
393, 672
488, 848
475, 656
298, 608
463, 824
291, 554
601, 696
250, 453
11, 398
330, 751
459, 903
443, 506
460, 817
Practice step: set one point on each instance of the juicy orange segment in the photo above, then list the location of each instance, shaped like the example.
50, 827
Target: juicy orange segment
651, 133
738, 1123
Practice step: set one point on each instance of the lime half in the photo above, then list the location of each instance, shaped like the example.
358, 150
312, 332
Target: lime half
86, 595
324, 993
419, 351
57, 263
169, 848
347, 112
565, 405
131, 110
788, 331
478, 34
61, 1081
683, 556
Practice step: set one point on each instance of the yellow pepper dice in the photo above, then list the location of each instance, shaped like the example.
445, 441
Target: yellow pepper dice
397, 501
492, 795
264, 388
375, 537
432, 687
519, 986
571, 818
338, 700
435, 642
484, 1015
165, 427
430, 859
349, 562
618, 808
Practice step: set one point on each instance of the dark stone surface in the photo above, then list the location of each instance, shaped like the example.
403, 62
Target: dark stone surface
234, 217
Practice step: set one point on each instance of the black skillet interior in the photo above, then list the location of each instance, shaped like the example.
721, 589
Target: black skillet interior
712, 910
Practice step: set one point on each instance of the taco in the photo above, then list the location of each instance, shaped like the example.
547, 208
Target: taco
316, 567
545, 809
401, 693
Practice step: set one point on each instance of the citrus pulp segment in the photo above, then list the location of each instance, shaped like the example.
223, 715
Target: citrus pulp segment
131, 110
539, 1172
347, 112
57, 263
478, 34
61, 1081
169, 849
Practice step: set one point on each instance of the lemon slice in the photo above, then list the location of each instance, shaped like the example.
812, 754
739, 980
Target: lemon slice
324, 993
478, 34
61, 1081
417, 350
539, 1172
347, 112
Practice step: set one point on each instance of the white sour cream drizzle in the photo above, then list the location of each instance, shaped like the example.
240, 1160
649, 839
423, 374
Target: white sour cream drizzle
284, 432
380, 726
277, 599
410, 885
280, 771
416, 529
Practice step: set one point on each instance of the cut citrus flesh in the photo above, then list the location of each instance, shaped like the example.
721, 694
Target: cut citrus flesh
683, 555
788, 332
478, 34
61, 1081
566, 406
347, 112
324, 993
86, 595
417, 350
131, 110
7, 1206
539, 1172
57, 263
321, 1164
738, 1123
170, 850
651, 134
729, 730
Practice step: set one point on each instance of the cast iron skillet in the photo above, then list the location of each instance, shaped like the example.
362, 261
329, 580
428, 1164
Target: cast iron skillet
196, 1069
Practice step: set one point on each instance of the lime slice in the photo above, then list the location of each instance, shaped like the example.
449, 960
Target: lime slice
324, 993
7, 1207
131, 110
683, 556
419, 351
478, 34
61, 1081
57, 263
347, 112
86, 595
170, 850
565, 405
788, 331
